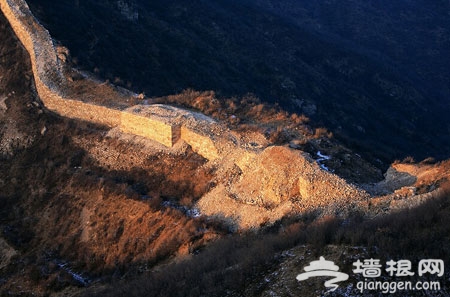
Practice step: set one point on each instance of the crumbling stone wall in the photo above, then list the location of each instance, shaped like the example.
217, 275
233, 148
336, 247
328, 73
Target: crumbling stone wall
51, 84
149, 128
201, 144
51, 87
279, 173
269, 176
77, 109
37, 41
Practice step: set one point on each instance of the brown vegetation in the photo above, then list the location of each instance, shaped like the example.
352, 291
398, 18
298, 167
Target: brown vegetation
244, 114
279, 127
237, 266
74, 199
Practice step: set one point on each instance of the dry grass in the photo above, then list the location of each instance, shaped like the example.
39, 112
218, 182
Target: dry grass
235, 266
247, 114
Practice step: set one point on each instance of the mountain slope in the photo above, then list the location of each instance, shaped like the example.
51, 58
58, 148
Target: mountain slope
234, 48
412, 36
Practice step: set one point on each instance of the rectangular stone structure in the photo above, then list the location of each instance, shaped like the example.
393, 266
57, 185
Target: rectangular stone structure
159, 131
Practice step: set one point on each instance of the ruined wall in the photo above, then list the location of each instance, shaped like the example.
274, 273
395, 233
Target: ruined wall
200, 144
270, 176
77, 109
49, 80
279, 173
51, 84
37, 42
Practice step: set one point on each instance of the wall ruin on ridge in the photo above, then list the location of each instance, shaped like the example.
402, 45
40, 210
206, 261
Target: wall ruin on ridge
166, 128
51, 84
270, 175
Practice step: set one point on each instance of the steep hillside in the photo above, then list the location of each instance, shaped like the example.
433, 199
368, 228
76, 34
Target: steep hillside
412, 36
233, 48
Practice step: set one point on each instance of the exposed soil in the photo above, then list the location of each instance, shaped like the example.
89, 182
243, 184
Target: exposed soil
248, 116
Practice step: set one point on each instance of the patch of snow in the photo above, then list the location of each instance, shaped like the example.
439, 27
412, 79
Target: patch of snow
287, 253
193, 212
322, 158
190, 212
76, 276
324, 167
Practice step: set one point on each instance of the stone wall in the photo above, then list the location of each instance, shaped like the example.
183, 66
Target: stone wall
149, 128
77, 109
269, 176
51, 86
38, 43
50, 82
200, 144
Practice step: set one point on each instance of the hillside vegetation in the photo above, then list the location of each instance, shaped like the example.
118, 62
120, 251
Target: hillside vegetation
381, 108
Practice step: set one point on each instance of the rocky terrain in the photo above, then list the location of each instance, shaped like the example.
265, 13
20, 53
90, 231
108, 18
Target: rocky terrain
88, 210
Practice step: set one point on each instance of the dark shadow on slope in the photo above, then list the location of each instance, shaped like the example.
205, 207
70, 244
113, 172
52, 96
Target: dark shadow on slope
63, 215
234, 48
237, 265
